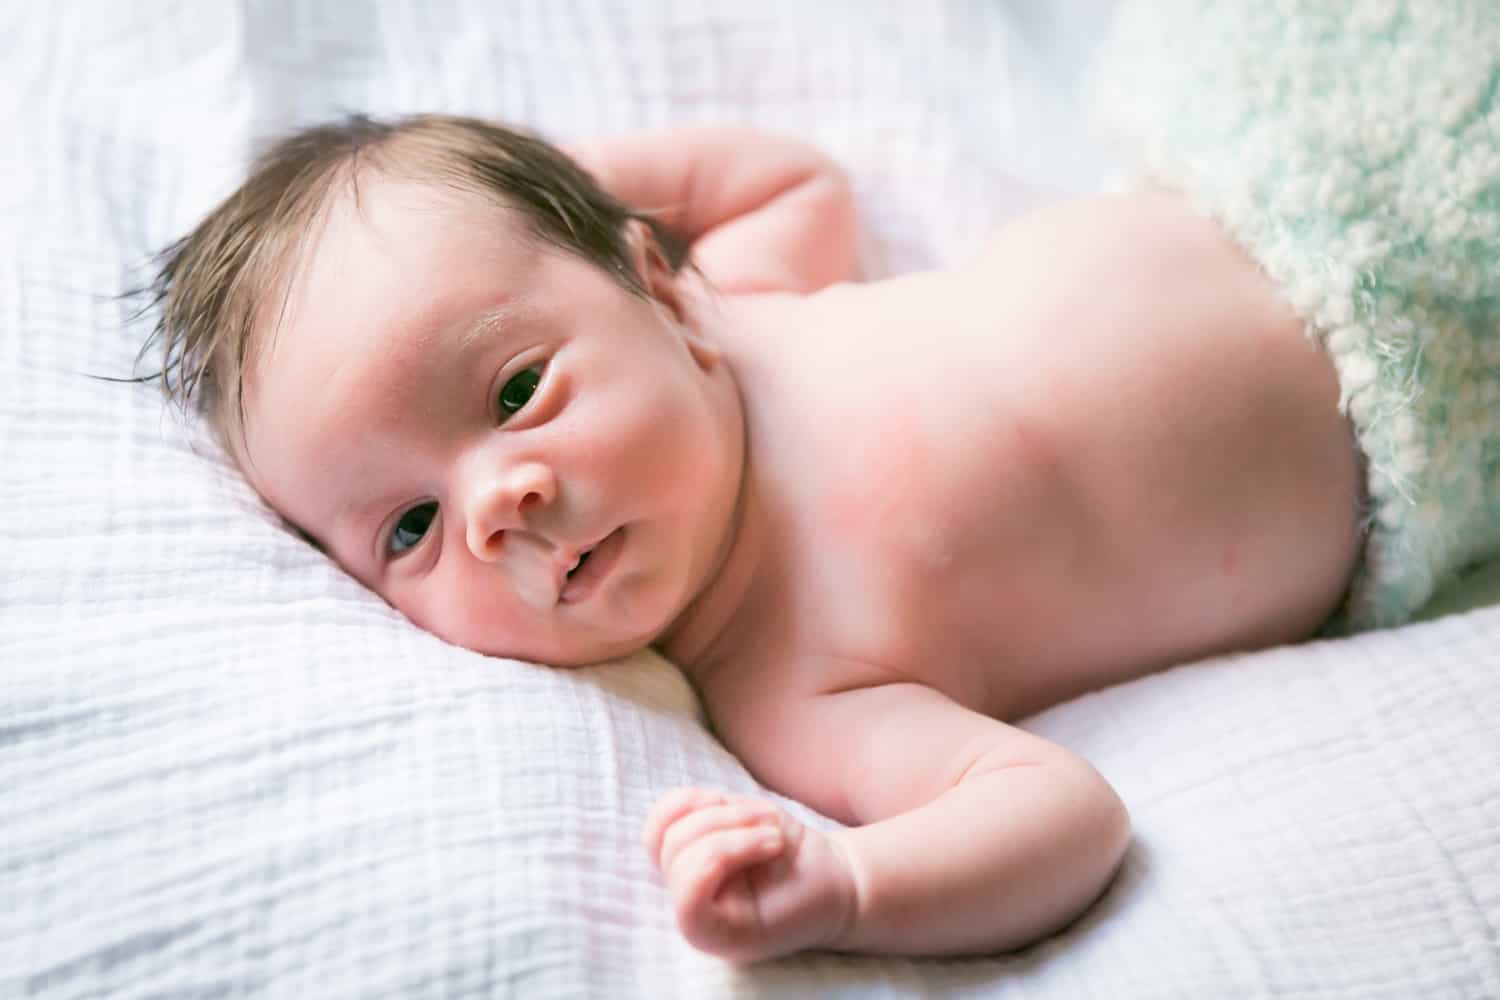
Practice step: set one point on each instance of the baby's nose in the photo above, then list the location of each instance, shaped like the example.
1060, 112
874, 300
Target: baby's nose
507, 501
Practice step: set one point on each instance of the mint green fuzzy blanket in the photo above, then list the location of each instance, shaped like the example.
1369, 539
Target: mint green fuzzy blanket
1353, 149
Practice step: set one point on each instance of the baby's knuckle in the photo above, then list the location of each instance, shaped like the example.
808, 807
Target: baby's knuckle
713, 867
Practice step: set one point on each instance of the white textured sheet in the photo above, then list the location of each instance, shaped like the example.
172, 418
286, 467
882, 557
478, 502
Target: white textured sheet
226, 770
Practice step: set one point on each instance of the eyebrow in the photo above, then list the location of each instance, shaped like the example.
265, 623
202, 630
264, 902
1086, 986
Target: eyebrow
485, 324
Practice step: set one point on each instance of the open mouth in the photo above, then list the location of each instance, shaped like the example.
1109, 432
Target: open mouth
591, 568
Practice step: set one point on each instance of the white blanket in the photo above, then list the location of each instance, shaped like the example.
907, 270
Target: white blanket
228, 770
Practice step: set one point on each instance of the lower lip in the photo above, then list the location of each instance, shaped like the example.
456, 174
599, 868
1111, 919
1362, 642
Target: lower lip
583, 584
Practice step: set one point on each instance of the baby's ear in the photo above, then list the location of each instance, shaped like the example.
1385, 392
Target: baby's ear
664, 284
658, 276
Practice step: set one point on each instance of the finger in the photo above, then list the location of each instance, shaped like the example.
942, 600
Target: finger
702, 868
668, 809
704, 865
709, 819
728, 922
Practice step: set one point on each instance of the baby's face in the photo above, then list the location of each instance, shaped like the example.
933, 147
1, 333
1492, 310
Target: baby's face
494, 435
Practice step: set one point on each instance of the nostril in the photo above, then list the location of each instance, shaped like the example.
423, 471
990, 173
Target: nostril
530, 500
497, 537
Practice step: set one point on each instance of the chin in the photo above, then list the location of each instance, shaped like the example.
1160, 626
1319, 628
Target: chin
579, 650
630, 629
590, 655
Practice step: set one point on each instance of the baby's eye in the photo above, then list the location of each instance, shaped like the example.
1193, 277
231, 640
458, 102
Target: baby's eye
517, 392
411, 528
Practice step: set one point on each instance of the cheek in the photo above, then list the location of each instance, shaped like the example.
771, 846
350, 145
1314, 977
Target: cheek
642, 437
449, 610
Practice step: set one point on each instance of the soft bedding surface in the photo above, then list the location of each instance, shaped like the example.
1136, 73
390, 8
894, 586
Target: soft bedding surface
227, 770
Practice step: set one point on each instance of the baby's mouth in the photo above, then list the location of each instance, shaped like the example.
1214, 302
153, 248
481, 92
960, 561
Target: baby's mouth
592, 566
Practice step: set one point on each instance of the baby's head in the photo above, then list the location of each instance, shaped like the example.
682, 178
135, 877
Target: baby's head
470, 376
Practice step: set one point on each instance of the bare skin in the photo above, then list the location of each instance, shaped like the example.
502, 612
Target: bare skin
1101, 447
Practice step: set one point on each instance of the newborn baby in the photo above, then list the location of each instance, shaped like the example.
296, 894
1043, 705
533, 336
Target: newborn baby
870, 521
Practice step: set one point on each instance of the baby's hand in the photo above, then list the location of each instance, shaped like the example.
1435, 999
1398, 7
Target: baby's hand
747, 881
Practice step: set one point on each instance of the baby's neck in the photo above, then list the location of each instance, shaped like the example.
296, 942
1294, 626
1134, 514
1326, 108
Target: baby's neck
708, 626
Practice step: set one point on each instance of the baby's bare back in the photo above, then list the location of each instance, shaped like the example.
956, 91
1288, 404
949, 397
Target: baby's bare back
1102, 447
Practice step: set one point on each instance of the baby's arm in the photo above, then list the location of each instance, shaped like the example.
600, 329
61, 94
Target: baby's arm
761, 212
979, 837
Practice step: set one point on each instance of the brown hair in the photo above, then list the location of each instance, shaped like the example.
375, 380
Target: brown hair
211, 287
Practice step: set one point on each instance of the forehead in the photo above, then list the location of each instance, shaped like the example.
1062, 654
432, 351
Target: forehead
386, 254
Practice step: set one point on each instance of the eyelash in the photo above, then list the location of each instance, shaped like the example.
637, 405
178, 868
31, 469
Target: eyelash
426, 528
533, 375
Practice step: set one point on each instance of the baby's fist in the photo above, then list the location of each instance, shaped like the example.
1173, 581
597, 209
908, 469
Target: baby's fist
747, 881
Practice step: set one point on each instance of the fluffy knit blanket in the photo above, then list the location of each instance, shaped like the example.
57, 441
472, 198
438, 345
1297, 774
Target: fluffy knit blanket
1353, 149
